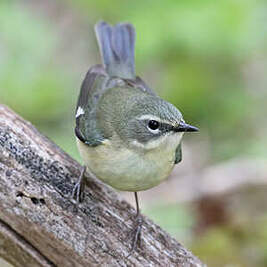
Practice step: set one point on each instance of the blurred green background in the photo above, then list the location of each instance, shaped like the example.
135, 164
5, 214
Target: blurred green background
206, 57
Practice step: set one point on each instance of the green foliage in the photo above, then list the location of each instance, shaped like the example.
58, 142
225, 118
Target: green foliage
31, 83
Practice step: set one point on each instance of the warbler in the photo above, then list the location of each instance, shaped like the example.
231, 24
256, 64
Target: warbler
127, 136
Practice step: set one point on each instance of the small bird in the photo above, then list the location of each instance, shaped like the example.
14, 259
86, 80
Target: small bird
127, 136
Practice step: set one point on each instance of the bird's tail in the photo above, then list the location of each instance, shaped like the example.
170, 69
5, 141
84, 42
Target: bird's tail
116, 45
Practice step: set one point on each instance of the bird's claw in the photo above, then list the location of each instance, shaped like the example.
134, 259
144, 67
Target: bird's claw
78, 190
135, 234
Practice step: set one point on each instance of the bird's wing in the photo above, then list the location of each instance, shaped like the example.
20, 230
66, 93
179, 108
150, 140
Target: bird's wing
178, 154
92, 87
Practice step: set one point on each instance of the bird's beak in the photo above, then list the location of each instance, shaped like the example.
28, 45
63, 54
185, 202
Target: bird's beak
184, 127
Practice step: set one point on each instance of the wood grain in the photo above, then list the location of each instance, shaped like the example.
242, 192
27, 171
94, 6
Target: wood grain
41, 226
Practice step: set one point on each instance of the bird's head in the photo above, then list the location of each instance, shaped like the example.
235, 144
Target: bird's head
147, 121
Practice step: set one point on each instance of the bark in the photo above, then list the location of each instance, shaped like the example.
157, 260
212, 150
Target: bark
41, 226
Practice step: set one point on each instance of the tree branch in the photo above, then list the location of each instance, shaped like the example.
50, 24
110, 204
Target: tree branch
41, 226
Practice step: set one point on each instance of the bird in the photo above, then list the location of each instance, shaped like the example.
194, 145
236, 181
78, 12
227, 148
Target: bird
127, 136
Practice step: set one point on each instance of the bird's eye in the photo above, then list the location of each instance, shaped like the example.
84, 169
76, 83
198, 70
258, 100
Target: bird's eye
153, 125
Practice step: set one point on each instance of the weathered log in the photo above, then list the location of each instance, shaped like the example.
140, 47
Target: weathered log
41, 226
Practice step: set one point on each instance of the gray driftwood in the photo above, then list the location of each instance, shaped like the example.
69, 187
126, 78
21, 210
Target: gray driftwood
41, 226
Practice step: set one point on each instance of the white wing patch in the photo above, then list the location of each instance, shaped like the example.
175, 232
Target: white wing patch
79, 112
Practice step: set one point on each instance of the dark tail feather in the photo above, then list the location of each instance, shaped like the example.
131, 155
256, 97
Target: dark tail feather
117, 48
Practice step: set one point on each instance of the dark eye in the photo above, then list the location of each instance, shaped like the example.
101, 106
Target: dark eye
153, 125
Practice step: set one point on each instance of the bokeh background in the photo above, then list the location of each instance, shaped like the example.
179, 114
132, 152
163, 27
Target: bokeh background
206, 57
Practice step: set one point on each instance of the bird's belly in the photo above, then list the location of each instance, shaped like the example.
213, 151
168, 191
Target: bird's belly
127, 170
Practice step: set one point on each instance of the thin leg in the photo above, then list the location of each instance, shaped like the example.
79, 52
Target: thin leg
77, 192
137, 204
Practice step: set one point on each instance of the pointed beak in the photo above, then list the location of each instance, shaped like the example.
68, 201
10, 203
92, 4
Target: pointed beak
184, 127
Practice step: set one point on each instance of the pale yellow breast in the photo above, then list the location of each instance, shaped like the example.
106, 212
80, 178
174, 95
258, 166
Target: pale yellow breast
134, 169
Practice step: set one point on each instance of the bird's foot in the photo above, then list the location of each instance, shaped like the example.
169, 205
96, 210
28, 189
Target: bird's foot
77, 192
135, 234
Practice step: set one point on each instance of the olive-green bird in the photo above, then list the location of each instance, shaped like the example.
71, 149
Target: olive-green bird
128, 137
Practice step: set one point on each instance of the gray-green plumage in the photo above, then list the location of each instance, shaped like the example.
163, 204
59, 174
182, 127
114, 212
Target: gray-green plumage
136, 98
96, 90
127, 135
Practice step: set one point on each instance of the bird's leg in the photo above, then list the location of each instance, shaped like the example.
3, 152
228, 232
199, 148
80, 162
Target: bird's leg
77, 192
136, 232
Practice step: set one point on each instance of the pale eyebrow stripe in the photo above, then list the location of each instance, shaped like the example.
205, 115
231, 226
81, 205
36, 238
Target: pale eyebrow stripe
153, 117
148, 117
